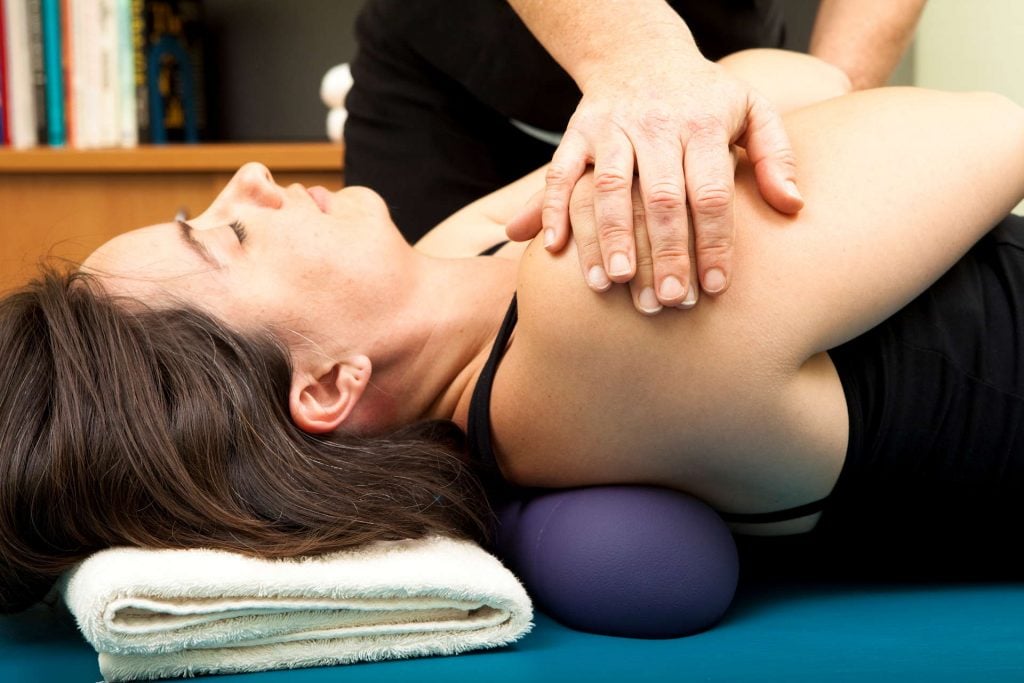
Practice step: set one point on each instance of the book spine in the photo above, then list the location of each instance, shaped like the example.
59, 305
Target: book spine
54, 67
108, 85
67, 63
139, 53
175, 70
85, 73
128, 135
21, 115
4, 101
38, 65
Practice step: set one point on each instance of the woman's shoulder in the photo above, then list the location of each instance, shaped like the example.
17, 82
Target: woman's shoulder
588, 381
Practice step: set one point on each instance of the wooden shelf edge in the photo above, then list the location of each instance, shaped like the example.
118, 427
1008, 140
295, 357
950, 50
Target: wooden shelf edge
180, 158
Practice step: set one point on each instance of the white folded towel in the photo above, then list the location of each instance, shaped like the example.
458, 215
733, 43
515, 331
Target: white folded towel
166, 613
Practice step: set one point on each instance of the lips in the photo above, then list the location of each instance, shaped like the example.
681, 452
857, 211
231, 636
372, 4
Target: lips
321, 196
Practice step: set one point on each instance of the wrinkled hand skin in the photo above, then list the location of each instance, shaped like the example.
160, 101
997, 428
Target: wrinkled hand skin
669, 130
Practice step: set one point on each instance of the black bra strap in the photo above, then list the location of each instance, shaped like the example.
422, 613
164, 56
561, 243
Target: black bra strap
776, 516
489, 251
478, 422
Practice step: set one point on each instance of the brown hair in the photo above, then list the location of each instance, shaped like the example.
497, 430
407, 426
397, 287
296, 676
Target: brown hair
125, 425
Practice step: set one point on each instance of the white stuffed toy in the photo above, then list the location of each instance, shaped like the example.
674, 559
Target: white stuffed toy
333, 88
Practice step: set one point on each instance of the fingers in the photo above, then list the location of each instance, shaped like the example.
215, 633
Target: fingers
526, 224
641, 287
568, 164
710, 189
662, 199
584, 227
613, 206
771, 153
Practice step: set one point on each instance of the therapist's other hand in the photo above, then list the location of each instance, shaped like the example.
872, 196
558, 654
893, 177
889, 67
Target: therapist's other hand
582, 216
672, 122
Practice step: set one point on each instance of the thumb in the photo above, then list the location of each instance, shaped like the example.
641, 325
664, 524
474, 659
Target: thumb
525, 224
771, 153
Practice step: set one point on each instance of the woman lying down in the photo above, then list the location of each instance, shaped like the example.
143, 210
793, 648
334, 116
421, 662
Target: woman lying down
279, 375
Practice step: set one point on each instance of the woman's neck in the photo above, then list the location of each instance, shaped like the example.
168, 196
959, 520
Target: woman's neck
439, 342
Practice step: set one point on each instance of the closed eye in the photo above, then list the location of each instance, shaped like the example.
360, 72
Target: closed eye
239, 231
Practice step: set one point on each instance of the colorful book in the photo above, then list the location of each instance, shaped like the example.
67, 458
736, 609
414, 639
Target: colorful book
53, 65
175, 66
107, 74
21, 116
128, 133
79, 39
3, 77
138, 29
66, 59
38, 68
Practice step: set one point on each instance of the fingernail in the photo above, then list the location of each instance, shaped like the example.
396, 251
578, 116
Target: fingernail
549, 237
619, 263
597, 278
671, 288
714, 281
648, 301
792, 191
690, 300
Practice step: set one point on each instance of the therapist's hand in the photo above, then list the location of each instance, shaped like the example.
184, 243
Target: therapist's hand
584, 229
670, 121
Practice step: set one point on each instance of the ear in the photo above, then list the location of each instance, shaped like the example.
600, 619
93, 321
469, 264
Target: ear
321, 400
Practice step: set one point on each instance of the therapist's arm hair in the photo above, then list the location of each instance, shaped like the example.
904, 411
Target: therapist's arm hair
865, 38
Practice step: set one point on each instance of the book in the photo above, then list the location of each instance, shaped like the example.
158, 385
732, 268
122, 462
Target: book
79, 41
129, 130
3, 77
66, 59
20, 99
53, 65
174, 57
107, 74
141, 87
38, 67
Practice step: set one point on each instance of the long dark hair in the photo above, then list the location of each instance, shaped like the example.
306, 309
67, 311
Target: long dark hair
164, 428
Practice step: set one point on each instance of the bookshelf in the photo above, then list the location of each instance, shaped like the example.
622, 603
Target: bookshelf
66, 202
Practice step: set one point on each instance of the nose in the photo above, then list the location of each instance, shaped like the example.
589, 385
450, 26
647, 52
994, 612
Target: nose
254, 183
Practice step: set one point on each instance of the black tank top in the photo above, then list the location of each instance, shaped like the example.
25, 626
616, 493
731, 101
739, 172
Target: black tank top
935, 396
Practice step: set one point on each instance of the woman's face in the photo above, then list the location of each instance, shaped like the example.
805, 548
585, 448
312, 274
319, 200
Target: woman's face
264, 254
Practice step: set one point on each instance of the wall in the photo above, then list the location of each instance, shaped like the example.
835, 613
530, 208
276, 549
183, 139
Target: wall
972, 46
269, 57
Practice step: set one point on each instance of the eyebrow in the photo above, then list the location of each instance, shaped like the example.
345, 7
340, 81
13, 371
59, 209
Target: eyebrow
185, 231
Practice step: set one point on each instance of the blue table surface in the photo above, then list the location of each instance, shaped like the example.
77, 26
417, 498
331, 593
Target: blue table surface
783, 632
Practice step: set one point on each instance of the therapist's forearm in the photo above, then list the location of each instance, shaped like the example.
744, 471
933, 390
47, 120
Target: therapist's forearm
585, 36
865, 38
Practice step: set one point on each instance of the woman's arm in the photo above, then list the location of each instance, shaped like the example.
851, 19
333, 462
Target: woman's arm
481, 224
899, 184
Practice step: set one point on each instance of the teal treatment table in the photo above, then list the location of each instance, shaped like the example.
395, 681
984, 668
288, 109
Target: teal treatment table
776, 630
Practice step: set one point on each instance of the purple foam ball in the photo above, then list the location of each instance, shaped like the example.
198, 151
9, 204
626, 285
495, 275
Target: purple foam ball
634, 561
